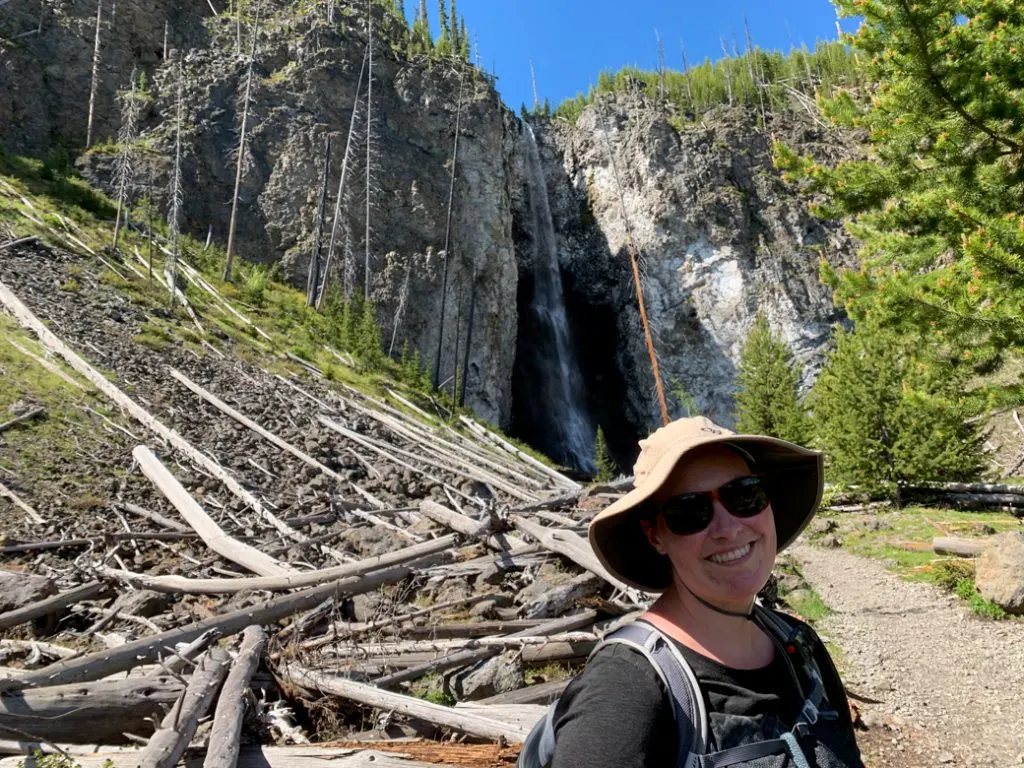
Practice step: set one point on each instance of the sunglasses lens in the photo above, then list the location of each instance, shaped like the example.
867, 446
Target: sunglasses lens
744, 496
687, 513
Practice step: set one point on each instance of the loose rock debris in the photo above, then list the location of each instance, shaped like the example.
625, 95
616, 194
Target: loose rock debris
275, 559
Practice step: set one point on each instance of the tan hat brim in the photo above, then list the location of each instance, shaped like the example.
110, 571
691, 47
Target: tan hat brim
796, 475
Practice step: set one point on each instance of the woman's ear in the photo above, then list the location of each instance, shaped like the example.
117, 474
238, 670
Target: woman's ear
654, 535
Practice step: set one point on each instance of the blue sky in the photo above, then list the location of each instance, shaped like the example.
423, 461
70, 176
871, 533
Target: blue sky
571, 41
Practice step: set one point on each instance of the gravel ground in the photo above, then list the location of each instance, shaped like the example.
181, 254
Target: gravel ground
949, 686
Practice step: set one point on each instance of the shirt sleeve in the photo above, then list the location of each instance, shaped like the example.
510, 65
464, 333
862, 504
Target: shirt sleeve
615, 715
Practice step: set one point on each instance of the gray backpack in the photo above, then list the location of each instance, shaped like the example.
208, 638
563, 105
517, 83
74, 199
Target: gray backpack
688, 703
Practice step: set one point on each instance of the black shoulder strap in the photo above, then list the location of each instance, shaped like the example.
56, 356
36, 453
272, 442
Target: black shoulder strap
681, 684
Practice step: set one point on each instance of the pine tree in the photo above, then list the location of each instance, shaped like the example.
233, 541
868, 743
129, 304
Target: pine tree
367, 343
938, 204
463, 37
444, 42
456, 33
886, 415
606, 469
768, 400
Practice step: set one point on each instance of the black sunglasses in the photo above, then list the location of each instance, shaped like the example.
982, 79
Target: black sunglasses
690, 513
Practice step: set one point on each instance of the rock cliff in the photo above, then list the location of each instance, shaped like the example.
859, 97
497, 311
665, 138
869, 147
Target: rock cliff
720, 236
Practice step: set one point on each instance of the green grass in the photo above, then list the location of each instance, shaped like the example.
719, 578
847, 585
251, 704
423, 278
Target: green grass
902, 540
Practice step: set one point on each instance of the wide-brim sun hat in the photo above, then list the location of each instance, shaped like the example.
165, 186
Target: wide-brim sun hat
796, 479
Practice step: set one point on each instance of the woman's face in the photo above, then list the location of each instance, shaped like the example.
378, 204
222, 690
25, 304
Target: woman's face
727, 563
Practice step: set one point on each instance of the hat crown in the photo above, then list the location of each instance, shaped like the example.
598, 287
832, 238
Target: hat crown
681, 433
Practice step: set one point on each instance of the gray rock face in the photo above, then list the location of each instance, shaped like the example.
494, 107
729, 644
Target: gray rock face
1000, 572
720, 238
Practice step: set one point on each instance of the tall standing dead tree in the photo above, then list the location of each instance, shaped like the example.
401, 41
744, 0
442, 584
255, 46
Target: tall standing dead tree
174, 216
124, 168
313, 279
94, 82
241, 146
349, 144
369, 139
447, 238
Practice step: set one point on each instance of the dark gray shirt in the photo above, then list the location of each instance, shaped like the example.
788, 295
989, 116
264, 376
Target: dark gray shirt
617, 712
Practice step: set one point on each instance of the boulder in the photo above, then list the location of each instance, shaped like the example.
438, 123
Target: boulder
1000, 572
18, 589
142, 602
500, 674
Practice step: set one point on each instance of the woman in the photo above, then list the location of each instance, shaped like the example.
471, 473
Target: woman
708, 513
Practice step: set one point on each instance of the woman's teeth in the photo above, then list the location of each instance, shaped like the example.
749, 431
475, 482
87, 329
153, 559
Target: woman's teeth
728, 557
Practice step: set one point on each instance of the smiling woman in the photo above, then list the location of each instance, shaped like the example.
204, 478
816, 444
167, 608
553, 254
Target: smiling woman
738, 684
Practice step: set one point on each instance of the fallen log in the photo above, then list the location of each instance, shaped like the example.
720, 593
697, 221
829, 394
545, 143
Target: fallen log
539, 693
576, 548
52, 604
985, 488
7, 493
171, 740
153, 517
959, 547
42, 361
418, 553
202, 523
254, 756
463, 658
49, 340
100, 712
387, 454
223, 748
27, 416
473, 723
41, 546
468, 526
107, 662
485, 433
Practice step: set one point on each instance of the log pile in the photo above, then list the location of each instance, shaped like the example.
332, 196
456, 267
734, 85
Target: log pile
278, 560
982, 497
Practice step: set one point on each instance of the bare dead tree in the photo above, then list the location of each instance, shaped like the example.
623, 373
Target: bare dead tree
95, 73
369, 139
727, 70
403, 296
124, 168
754, 70
661, 66
447, 236
349, 144
533, 81
241, 146
150, 205
469, 339
174, 217
686, 73
313, 278
166, 27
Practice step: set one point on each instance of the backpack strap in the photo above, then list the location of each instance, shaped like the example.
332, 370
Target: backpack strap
679, 680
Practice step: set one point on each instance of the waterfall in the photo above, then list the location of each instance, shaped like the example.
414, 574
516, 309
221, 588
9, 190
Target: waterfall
560, 389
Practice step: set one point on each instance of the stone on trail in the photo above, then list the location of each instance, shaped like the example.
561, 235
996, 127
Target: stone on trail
18, 589
999, 573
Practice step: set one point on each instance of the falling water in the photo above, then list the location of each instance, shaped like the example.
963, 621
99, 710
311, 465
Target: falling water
561, 385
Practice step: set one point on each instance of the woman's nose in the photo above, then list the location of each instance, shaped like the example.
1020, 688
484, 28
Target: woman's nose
723, 525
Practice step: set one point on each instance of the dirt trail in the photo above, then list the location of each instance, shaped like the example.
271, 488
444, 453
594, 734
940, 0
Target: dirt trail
949, 685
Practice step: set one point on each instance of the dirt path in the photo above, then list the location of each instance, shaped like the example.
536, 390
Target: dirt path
949, 685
